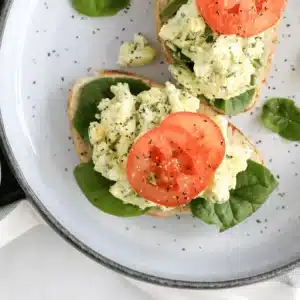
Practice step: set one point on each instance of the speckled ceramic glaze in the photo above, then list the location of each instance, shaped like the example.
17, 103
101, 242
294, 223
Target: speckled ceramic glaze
45, 47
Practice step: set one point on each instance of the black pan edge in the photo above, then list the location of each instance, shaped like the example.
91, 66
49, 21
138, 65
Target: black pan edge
64, 233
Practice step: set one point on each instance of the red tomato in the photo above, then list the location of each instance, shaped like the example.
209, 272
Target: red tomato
245, 18
165, 166
207, 133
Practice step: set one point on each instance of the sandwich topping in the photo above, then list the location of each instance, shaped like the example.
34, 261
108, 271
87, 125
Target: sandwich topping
137, 53
161, 150
211, 64
242, 17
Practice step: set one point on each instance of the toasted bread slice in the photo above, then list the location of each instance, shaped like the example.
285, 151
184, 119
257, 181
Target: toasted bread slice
161, 4
84, 152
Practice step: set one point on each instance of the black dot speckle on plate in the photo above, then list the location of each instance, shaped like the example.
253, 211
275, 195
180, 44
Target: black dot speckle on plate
183, 249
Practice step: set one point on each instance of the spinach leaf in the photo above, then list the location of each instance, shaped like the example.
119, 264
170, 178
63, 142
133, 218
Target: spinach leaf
235, 105
90, 96
253, 187
171, 9
283, 117
99, 8
96, 188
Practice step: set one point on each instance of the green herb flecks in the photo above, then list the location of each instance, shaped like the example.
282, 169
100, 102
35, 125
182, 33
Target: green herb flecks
92, 93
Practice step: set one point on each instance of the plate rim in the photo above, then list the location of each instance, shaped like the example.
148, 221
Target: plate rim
82, 247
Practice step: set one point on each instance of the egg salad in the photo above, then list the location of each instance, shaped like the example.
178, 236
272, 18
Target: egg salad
124, 118
137, 53
217, 66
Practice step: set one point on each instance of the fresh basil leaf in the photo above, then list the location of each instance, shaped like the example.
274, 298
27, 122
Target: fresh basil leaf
171, 9
90, 96
99, 8
235, 105
253, 187
96, 188
283, 117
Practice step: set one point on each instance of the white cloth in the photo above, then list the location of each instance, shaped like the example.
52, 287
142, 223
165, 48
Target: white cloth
37, 264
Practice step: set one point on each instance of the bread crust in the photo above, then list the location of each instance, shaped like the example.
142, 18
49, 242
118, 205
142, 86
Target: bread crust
85, 153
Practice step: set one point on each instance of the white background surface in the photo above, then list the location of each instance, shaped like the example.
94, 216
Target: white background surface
40, 265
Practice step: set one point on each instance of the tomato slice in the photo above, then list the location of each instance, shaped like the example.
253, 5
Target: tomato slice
165, 166
206, 132
242, 17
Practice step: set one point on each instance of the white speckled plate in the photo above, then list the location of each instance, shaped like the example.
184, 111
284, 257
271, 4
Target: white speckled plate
45, 47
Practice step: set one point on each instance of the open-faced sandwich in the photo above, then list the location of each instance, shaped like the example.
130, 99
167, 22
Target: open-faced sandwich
219, 50
147, 148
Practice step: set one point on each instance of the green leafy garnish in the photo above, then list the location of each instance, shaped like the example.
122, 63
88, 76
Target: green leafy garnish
256, 63
235, 105
90, 96
283, 117
99, 8
253, 187
96, 188
171, 9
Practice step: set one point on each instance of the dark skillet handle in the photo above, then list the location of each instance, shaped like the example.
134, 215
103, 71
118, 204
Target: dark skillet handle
10, 190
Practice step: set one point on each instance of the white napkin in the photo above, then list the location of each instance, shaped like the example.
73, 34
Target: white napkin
19, 218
